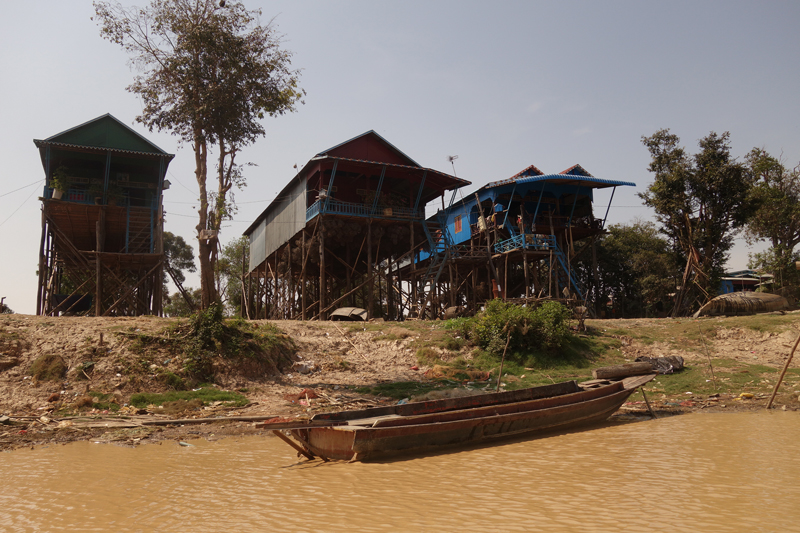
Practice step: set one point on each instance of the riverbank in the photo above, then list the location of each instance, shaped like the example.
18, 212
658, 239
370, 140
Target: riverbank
731, 365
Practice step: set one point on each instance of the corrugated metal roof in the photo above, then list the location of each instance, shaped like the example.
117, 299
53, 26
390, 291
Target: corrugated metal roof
564, 179
114, 132
457, 182
40, 144
375, 133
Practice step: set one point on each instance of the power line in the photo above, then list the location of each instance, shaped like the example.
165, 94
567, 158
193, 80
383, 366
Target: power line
18, 208
23, 187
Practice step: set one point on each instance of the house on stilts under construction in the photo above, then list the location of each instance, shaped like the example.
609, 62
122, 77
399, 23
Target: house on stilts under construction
101, 251
349, 231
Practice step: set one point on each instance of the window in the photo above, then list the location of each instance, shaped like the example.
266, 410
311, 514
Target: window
458, 223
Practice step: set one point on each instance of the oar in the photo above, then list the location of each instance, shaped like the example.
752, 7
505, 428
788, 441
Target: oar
300, 424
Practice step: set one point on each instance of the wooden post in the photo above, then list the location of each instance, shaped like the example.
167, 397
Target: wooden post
783, 373
390, 311
348, 273
649, 408
504, 292
369, 270
451, 291
290, 300
412, 269
100, 230
42, 252
527, 276
595, 275
503, 360
322, 287
303, 279
290, 442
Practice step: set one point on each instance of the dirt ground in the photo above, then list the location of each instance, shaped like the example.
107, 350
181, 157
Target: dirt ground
328, 364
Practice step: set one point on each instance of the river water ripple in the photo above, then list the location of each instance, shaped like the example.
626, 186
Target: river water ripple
699, 472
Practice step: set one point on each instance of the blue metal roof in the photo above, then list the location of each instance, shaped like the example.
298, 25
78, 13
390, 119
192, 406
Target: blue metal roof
564, 179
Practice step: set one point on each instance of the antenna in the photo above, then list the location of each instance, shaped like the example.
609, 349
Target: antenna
452, 158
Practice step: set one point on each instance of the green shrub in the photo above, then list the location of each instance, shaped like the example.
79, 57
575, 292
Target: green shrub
544, 328
207, 327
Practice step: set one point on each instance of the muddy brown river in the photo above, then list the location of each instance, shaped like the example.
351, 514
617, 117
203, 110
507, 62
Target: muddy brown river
699, 472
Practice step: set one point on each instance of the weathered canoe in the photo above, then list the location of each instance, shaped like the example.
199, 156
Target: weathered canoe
420, 426
743, 303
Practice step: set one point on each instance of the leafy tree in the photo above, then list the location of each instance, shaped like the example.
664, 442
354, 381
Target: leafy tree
777, 218
229, 273
177, 305
210, 73
180, 257
700, 202
636, 269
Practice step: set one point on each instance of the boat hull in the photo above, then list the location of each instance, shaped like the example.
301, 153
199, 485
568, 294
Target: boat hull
430, 430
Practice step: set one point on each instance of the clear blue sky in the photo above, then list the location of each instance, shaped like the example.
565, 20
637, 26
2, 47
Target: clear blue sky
502, 84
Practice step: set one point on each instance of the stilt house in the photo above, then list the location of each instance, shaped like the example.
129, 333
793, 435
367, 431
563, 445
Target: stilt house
101, 246
515, 239
340, 231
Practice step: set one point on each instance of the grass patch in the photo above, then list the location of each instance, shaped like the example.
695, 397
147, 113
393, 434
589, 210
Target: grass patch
206, 395
395, 333
102, 401
732, 377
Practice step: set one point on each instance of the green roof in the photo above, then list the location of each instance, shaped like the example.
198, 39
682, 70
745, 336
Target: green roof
105, 132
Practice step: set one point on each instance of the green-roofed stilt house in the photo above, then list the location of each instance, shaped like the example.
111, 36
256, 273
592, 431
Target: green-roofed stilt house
101, 250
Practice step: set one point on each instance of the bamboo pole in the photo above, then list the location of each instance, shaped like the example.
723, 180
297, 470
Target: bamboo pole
293, 444
503, 360
652, 413
783, 373
708, 356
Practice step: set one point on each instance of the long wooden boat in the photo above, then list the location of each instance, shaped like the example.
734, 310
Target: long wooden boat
416, 427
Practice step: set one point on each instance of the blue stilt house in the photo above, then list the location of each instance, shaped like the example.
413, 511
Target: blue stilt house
515, 238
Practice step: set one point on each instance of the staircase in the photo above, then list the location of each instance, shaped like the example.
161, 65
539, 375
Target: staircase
566, 277
440, 245
139, 231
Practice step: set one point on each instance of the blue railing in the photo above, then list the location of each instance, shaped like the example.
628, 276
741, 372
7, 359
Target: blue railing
337, 207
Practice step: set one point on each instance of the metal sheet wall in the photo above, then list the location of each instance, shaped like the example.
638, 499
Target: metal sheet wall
258, 245
284, 221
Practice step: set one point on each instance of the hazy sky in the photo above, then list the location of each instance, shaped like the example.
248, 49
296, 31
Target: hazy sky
501, 84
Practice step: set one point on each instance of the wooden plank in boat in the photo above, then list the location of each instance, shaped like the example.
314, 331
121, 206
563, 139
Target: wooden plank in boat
637, 381
369, 422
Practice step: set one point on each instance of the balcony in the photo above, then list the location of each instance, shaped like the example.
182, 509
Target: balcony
337, 207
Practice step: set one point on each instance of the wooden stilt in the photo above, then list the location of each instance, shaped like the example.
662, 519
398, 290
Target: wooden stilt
322, 281
649, 408
303, 279
369, 271
290, 442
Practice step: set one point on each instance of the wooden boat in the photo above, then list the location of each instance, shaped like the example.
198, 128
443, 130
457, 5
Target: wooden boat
743, 303
415, 427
